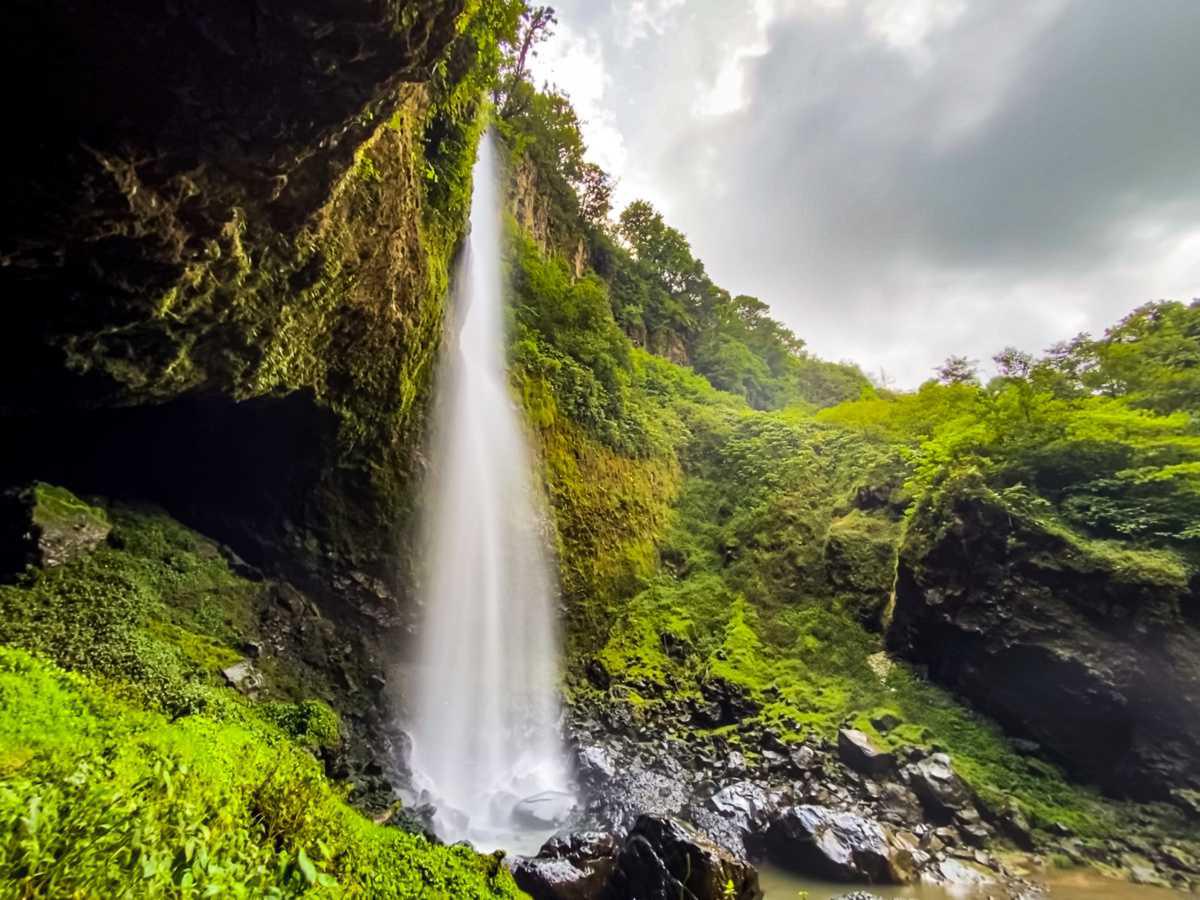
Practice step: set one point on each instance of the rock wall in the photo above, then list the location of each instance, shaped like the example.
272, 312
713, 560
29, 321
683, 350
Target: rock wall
225, 274
1088, 648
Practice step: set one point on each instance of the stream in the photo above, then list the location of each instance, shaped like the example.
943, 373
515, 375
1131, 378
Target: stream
1076, 884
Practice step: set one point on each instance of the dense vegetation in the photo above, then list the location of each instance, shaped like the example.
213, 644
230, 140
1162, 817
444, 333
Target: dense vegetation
129, 768
1104, 429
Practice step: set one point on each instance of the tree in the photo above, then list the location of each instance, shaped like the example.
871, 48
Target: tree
594, 188
958, 370
514, 91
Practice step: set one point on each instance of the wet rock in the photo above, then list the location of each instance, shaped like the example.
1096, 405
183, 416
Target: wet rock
939, 789
663, 859
858, 752
804, 758
575, 867
745, 808
47, 526
244, 677
597, 675
841, 846
547, 809
958, 874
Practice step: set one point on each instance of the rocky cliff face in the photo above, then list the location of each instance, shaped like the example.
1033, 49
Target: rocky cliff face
1088, 648
225, 275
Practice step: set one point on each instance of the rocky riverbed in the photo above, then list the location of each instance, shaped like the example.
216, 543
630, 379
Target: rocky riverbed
663, 817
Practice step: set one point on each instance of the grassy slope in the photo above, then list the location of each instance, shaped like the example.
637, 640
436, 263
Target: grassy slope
137, 773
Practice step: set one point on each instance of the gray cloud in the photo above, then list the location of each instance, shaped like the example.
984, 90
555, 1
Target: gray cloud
1014, 174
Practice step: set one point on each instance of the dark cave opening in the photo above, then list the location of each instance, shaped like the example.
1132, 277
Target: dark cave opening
242, 472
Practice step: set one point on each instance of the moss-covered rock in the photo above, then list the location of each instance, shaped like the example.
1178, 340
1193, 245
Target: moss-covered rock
44, 525
1079, 644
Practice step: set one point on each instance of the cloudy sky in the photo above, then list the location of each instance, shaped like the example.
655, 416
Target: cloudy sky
906, 179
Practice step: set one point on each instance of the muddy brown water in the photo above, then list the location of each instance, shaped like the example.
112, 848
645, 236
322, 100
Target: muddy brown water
778, 884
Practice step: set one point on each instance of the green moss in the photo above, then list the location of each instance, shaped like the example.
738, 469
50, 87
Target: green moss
57, 506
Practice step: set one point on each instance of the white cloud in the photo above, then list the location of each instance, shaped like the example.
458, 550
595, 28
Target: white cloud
906, 179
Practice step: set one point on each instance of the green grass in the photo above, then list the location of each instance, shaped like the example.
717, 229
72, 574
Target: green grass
100, 798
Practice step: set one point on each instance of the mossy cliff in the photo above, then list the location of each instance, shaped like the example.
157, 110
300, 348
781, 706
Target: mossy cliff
232, 268
227, 279
1082, 645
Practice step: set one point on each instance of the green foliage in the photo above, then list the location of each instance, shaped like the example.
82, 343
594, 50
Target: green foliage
139, 774
1151, 357
309, 723
1109, 463
101, 799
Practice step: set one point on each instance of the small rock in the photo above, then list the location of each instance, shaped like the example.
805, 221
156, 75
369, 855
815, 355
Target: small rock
939, 789
253, 649
856, 751
885, 722
244, 677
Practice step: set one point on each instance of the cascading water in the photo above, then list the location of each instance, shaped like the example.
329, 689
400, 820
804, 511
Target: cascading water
485, 729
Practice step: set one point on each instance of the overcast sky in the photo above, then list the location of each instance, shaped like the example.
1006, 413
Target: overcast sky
905, 179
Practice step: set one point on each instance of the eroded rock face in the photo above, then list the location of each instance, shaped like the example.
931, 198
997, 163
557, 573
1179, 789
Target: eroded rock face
226, 268
1089, 655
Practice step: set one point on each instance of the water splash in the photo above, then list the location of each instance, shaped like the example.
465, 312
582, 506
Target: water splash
485, 729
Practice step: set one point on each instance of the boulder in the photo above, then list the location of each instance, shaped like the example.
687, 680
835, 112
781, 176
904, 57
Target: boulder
841, 846
958, 874
575, 867
663, 859
46, 526
858, 752
1089, 654
939, 789
742, 813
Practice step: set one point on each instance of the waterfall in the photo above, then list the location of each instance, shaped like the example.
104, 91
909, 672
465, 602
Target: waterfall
485, 723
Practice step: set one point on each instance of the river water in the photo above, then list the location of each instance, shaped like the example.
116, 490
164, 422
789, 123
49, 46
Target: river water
778, 884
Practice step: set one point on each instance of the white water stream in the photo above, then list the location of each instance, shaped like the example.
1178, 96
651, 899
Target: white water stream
485, 721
